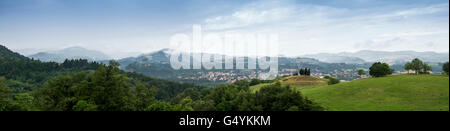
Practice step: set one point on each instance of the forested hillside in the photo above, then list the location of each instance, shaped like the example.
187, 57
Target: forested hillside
23, 75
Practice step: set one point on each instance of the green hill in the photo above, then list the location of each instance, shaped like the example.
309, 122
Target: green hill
393, 93
5, 53
298, 82
303, 81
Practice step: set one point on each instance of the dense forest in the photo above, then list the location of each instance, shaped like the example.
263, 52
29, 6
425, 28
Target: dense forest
79, 85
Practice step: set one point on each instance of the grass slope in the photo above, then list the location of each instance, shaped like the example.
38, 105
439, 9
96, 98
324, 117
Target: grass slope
297, 82
392, 93
303, 81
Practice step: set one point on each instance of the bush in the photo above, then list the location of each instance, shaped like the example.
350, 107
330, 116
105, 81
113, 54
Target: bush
379, 69
445, 68
160, 106
84, 106
332, 81
5, 95
278, 98
254, 82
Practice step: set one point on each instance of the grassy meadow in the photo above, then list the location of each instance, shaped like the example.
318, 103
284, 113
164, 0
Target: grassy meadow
391, 93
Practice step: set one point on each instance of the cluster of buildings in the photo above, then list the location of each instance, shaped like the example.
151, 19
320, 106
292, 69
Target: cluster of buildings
219, 76
231, 76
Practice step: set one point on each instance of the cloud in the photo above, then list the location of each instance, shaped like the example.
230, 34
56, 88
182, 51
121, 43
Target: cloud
304, 26
418, 11
335, 29
269, 13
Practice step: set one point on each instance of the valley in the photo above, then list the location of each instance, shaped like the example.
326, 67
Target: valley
343, 66
164, 89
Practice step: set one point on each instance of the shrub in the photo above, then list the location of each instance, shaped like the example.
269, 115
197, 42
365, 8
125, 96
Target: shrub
332, 81
379, 69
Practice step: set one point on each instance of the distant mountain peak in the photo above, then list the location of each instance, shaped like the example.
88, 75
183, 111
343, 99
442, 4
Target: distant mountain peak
75, 48
165, 51
75, 52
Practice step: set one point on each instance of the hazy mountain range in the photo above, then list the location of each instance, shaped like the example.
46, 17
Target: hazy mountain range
162, 56
342, 65
70, 53
395, 57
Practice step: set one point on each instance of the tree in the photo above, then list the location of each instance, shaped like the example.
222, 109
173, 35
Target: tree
361, 72
379, 69
104, 89
445, 68
301, 72
305, 72
142, 97
283, 98
426, 69
223, 97
111, 90
254, 82
25, 102
418, 67
308, 72
5, 96
83, 105
160, 106
408, 66
185, 104
56, 95
332, 80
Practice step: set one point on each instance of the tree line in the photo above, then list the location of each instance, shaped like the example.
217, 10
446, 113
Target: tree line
303, 72
379, 69
418, 67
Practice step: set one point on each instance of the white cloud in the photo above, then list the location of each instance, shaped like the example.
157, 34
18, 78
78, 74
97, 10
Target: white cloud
305, 28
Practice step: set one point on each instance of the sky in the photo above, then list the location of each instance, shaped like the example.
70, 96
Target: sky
122, 28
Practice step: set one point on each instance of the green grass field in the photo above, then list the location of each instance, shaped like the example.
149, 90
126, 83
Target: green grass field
392, 93
299, 82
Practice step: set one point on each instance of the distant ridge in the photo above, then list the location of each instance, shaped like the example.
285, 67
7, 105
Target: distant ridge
391, 57
70, 53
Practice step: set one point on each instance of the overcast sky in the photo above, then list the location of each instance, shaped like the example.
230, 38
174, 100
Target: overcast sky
127, 27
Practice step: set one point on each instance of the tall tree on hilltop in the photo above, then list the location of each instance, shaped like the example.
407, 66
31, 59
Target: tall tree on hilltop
418, 66
361, 72
379, 69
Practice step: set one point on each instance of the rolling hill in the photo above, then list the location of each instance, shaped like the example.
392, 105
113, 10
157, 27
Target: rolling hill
303, 81
400, 92
392, 93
